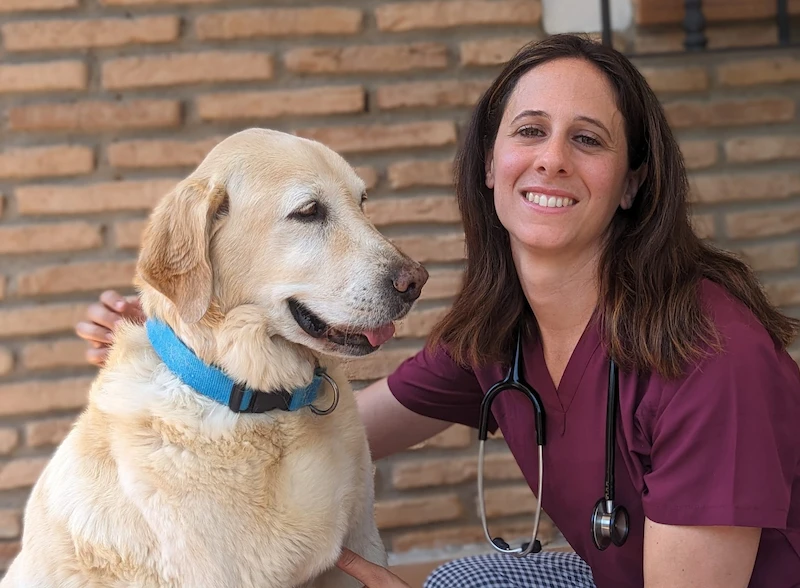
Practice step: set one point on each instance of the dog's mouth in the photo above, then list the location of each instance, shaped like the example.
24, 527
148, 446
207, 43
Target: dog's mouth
349, 340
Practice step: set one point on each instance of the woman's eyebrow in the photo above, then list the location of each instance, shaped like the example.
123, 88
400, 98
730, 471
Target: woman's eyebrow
595, 122
526, 113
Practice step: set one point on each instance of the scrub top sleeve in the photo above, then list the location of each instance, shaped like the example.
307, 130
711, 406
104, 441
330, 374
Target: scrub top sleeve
724, 445
430, 383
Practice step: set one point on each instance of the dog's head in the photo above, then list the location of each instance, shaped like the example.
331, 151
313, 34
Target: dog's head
275, 222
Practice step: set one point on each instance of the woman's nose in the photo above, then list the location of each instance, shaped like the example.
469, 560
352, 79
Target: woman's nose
553, 159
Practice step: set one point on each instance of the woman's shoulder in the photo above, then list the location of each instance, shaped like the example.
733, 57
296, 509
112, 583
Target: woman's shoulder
742, 336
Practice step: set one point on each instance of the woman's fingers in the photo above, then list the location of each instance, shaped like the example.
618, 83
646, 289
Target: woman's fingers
97, 356
366, 572
94, 333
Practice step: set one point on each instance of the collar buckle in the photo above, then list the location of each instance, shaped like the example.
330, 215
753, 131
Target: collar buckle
237, 394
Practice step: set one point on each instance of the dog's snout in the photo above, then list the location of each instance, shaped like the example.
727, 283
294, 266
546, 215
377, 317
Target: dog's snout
408, 281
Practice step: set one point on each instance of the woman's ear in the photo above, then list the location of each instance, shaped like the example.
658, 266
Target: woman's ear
489, 168
175, 256
632, 184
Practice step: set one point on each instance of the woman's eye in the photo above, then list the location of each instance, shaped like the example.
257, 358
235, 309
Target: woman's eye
588, 141
309, 212
530, 132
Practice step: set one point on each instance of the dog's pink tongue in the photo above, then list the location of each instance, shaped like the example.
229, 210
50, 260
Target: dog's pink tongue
380, 336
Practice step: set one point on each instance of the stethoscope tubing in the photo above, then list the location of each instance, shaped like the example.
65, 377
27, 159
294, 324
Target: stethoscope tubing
518, 552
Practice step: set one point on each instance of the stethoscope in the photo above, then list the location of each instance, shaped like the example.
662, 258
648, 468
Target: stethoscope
609, 521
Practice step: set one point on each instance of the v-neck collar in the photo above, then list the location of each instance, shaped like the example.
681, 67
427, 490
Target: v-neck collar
557, 400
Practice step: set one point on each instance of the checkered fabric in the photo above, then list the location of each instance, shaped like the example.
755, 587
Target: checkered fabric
549, 569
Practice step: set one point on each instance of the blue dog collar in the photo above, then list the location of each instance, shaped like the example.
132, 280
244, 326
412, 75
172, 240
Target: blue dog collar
212, 382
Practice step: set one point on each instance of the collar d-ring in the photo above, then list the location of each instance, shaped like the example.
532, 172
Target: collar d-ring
324, 375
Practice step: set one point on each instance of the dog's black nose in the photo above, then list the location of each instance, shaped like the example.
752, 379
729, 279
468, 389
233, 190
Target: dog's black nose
408, 281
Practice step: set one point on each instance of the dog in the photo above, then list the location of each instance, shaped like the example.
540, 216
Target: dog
262, 267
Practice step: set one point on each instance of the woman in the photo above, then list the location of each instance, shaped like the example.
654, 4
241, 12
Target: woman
573, 194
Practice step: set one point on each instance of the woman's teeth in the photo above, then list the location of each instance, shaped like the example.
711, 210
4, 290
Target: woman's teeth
549, 201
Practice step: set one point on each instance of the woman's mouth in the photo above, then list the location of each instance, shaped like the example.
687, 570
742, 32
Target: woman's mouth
546, 201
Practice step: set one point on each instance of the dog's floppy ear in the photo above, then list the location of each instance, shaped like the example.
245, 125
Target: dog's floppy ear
174, 258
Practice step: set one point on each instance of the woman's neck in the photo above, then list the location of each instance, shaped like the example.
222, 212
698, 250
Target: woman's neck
562, 291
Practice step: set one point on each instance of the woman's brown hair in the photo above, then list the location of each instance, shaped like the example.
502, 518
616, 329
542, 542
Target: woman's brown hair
650, 270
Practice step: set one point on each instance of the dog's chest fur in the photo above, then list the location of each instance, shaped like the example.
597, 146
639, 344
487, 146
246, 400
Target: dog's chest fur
180, 492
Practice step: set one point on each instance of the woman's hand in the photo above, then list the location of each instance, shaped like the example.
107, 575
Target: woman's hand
373, 576
101, 317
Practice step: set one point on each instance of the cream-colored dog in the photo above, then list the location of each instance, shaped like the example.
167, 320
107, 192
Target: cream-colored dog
263, 263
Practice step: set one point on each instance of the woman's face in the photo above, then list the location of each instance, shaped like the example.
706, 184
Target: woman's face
559, 165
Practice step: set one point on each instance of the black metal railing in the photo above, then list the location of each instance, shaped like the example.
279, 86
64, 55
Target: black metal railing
694, 25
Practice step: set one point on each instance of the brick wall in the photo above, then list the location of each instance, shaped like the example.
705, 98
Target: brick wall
106, 103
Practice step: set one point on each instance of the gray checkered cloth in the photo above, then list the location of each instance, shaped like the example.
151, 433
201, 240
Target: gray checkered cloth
549, 569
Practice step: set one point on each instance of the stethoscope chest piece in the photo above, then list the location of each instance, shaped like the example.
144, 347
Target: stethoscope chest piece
609, 524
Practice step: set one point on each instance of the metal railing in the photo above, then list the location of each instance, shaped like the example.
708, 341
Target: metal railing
694, 25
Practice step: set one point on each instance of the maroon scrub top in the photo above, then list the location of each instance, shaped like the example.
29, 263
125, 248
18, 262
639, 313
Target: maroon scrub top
719, 446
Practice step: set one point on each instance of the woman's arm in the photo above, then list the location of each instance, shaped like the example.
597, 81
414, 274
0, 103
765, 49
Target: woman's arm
701, 557
391, 427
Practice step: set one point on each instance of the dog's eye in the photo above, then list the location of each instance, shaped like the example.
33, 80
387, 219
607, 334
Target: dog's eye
309, 212
363, 200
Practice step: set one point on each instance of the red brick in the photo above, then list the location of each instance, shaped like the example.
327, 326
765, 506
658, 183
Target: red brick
740, 187
96, 115
422, 172
92, 198
719, 37
704, 226
76, 277
23, 5
258, 105
278, 22
159, 153
777, 70
366, 58
428, 248
509, 500
430, 94
492, 51
699, 154
421, 209
377, 365
6, 361
80, 34
8, 551
50, 76
10, 524
775, 256
21, 472
409, 16
369, 175
736, 112
41, 319
442, 284
449, 537
47, 432
382, 137
146, 2
54, 354
52, 161
759, 149
9, 439
18, 239
676, 79
198, 67
40, 396
128, 234
454, 437
784, 293
751, 224
407, 512
420, 322
422, 473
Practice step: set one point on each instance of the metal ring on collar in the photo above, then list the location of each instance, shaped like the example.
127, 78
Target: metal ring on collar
324, 375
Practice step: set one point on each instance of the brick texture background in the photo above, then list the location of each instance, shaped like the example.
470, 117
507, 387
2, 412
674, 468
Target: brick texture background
106, 103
